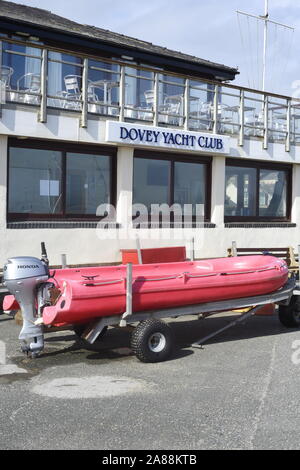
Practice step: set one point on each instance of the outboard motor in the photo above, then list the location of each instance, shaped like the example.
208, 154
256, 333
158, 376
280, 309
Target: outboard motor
24, 276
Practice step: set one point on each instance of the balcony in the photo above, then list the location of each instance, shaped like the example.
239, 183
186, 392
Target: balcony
45, 79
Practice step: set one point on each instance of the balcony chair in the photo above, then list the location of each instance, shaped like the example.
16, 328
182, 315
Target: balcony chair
29, 83
73, 92
173, 106
5, 77
257, 121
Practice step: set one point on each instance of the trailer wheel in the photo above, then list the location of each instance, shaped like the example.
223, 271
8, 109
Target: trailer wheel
152, 341
79, 329
289, 315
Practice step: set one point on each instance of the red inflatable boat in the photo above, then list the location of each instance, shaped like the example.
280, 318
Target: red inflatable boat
96, 292
90, 293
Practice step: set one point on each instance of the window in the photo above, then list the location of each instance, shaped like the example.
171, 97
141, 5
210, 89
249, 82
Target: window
257, 191
172, 180
55, 183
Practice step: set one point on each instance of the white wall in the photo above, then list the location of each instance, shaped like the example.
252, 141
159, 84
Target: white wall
91, 246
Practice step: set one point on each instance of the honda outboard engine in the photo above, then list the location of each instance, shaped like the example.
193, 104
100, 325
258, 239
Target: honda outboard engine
24, 276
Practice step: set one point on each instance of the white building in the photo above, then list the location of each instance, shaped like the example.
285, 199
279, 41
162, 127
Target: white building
90, 117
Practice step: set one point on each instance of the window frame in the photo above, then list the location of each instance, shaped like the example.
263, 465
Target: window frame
64, 148
184, 158
262, 165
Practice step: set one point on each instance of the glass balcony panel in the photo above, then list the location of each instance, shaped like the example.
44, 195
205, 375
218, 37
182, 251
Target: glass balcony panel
254, 114
139, 94
228, 111
21, 73
295, 123
103, 88
64, 81
171, 100
277, 119
201, 98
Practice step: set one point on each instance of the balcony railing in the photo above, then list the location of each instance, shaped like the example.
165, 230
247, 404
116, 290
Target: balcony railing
33, 75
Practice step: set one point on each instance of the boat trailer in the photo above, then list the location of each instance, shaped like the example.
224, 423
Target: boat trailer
152, 338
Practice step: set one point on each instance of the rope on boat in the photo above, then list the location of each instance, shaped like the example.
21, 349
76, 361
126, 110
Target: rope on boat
104, 283
141, 279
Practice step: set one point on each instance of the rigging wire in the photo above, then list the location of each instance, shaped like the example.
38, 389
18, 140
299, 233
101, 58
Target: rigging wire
287, 58
274, 62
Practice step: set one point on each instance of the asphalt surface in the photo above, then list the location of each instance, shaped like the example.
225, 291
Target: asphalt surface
241, 391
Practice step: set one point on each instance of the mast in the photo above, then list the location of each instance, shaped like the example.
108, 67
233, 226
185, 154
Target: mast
265, 18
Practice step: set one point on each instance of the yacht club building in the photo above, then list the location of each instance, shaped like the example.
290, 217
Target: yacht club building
98, 129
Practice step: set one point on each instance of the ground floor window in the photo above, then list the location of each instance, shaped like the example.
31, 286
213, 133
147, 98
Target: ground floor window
58, 180
181, 183
257, 191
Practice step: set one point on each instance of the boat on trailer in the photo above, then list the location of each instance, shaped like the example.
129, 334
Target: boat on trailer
93, 298
91, 293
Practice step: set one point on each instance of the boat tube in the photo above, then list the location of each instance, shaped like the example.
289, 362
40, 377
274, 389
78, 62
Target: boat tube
90, 293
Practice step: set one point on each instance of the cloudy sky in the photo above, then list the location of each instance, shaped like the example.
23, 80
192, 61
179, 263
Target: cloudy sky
208, 29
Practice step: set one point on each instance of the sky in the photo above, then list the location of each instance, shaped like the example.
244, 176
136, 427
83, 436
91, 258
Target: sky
209, 29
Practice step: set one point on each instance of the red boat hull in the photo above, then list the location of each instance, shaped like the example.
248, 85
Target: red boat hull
159, 286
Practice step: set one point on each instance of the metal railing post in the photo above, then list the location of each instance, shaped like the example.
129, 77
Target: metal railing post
186, 103
242, 118
64, 261
233, 249
139, 251
122, 94
216, 104
266, 123
156, 99
84, 113
42, 116
288, 127
128, 311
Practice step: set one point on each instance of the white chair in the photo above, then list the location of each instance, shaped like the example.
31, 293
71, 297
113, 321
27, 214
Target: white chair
30, 84
95, 104
73, 92
5, 77
147, 112
256, 121
172, 109
200, 115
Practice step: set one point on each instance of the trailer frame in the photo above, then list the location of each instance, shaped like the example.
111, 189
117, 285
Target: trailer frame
129, 318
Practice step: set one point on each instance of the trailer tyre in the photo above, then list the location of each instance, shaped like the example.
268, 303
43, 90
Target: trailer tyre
152, 341
289, 315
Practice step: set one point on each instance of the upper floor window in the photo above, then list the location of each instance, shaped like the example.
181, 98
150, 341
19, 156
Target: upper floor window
257, 191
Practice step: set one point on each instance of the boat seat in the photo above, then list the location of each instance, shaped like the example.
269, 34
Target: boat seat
286, 253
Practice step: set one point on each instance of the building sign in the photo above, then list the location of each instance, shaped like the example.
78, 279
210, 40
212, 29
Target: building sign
163, 137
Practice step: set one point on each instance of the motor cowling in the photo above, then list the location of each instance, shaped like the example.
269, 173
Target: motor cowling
25, 267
